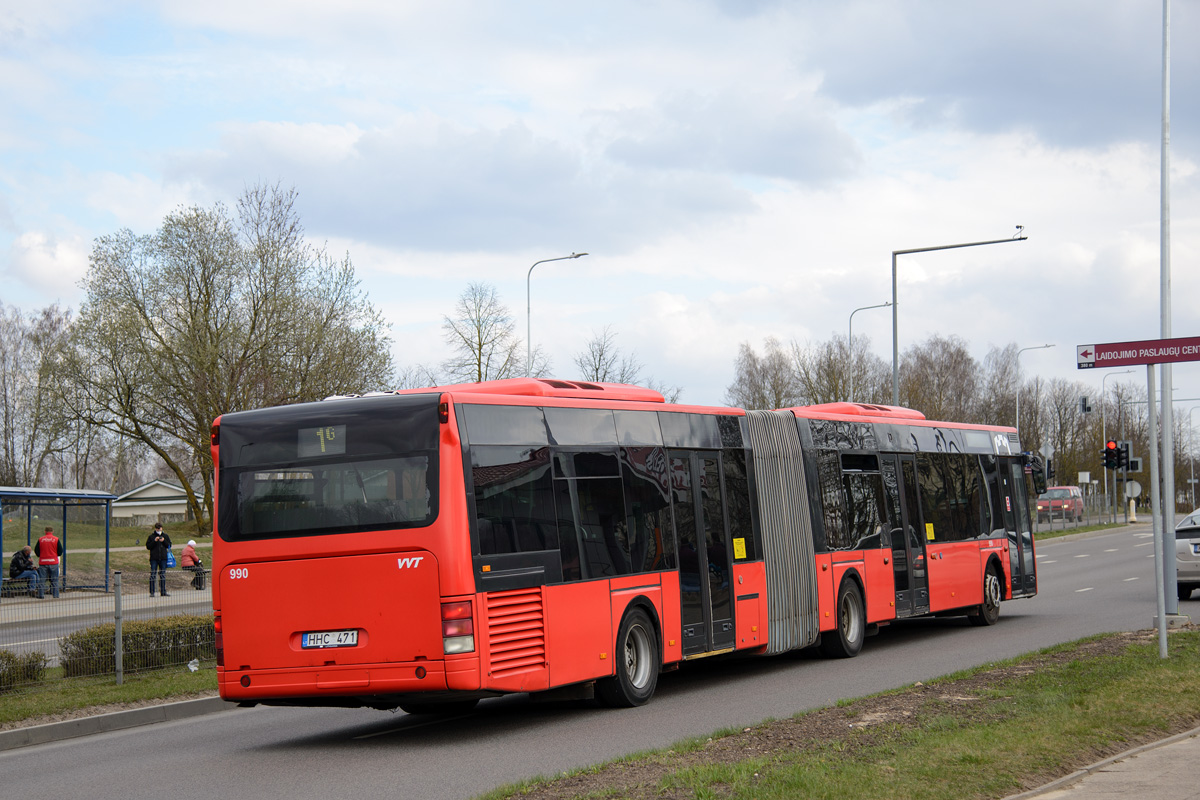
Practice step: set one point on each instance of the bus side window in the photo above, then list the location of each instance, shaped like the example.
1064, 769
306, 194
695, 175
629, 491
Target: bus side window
513, 502
647, 493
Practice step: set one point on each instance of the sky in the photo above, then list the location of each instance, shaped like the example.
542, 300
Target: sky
735, 169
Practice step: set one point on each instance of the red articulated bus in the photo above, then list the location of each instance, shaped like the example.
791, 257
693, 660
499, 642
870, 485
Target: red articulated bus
424, 549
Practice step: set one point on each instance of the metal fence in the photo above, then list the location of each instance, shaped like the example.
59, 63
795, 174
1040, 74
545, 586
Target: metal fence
95, 632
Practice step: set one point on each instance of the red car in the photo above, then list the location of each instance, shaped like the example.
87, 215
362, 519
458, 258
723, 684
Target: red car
1060, 503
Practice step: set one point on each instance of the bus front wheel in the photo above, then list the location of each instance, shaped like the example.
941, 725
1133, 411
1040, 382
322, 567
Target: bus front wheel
637, 666
847, 639
988, 612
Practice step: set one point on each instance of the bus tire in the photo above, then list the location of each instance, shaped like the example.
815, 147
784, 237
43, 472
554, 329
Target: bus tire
439, 706
988, 612
638, 663
847, 639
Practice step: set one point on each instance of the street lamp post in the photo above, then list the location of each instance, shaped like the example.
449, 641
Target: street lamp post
850, 342
1017, 237
1018, 410
528, 322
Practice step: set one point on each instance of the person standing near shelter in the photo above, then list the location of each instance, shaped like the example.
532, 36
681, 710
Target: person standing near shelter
49, 550
21, 568
190, 561
158, 543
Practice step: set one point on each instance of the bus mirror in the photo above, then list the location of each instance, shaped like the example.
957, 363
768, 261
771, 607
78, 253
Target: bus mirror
1037, 470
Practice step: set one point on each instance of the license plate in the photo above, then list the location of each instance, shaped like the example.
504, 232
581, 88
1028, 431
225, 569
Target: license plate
330, 639
1196, 549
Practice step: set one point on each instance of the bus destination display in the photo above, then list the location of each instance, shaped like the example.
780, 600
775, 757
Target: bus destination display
322, 441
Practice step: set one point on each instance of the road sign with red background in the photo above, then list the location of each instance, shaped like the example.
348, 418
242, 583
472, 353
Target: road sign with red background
1149, 351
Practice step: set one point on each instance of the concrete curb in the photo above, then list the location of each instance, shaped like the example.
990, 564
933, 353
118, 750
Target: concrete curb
115, 721
1080, 774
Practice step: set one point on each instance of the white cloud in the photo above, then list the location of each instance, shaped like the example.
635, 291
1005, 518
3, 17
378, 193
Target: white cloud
50, 264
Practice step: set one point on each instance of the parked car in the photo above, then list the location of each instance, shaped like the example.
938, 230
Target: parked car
1060, 502
1187, 554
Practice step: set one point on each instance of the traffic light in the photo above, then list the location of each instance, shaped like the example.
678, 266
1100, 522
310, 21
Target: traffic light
1123, 456
1110, 454
1049, 469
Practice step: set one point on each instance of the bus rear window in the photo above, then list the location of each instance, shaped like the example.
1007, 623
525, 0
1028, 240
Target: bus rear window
335, 467
352, 495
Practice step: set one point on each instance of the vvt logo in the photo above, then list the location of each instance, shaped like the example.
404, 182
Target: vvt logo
412, 561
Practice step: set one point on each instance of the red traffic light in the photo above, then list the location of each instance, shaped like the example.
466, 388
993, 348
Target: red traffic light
1110, 445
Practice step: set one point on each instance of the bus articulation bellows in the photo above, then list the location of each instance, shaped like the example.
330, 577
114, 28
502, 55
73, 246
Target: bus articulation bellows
424, 549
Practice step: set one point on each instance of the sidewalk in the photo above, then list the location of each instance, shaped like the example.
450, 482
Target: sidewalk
1165, 770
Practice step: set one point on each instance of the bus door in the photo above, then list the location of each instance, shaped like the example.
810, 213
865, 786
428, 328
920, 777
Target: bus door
705, 579
1016, 519
908, 543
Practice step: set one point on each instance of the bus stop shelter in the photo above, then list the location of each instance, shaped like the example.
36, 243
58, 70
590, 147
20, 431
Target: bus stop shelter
81, 518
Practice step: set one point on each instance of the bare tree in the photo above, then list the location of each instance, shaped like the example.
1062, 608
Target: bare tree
32, 432
483, 336
603, 361
215, 313
763, 382
940, 379
823, 371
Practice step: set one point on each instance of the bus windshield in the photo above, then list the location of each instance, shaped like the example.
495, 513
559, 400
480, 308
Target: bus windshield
335, 467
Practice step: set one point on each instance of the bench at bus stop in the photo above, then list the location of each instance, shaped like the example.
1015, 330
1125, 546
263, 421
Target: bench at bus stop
17, 587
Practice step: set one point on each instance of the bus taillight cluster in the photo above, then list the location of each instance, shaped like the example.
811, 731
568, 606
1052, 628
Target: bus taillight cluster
458, 628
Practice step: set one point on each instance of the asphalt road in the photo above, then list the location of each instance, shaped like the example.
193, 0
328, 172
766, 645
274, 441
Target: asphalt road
1087, 585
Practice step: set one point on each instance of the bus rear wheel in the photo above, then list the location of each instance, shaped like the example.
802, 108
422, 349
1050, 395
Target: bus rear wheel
637, 666
847, 640
988, 612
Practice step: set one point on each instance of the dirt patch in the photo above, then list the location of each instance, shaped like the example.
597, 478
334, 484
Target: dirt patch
848, 727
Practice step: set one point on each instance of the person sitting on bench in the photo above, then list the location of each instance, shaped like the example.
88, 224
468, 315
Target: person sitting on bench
21, 568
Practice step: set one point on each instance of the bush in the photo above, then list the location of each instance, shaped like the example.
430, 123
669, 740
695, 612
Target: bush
147, 644
18, 670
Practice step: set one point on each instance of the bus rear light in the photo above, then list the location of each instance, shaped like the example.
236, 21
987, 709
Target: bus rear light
443, 413
219, 644
457, 627
458, 644
245, 680
460, 610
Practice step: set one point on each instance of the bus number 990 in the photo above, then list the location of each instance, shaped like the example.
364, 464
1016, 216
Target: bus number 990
239, 572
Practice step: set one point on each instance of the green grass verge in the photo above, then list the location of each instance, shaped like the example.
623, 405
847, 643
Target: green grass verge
983, 733
1058, 532
55, 696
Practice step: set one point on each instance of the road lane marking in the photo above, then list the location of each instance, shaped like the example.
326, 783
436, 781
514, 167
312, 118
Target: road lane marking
1111, 550
1083, 555
1142, 535
1051, 562
1144, 544
1088, 589
1127, 580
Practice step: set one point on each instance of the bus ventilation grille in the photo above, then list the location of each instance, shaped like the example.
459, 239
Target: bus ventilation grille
516, 632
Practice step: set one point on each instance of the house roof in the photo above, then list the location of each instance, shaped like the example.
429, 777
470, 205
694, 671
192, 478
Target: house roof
156, 490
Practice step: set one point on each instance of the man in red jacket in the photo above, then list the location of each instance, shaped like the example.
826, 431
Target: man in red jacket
49, 550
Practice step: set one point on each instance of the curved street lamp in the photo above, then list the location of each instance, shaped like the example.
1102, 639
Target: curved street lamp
1018, 412
528, 323
850, 342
